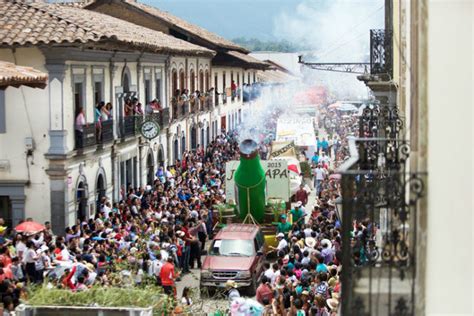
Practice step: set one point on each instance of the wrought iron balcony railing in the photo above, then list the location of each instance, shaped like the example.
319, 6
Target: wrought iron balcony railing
87, 137
381, 53
106, 132
378, 230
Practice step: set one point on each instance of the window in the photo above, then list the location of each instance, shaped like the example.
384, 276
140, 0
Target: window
248, 77
98, 92
192, 81
147, 84
224, 92
78, 95
174, 81
216, 88
181, 80
254, 77
207, 80
6, 210
98, 84
232, 247
158, 86
201, 81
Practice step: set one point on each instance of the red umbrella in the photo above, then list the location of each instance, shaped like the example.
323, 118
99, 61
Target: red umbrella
30, 227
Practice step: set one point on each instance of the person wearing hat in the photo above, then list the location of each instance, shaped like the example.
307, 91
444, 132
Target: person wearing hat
283, 226
232, 291
298, 214
282, 243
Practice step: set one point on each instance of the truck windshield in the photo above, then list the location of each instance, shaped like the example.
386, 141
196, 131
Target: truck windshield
230, 247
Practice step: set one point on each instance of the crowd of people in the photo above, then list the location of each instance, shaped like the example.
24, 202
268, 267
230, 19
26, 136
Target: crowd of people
305, 278
157, 233
153, 233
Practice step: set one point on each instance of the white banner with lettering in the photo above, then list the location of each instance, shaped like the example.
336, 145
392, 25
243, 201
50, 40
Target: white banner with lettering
276, 171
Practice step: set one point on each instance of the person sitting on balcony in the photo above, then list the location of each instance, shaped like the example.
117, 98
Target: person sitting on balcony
128, 107
79, 126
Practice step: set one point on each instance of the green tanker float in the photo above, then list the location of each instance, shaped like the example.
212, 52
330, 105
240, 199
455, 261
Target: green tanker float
250, 183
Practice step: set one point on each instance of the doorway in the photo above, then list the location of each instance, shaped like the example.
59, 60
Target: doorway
100, 190
150, 169
81, 201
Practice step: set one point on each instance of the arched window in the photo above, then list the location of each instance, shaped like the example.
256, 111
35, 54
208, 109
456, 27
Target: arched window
208, 78
126, 79
176, 148
201, 81
174, 81
183, 144
181, 80
192, 81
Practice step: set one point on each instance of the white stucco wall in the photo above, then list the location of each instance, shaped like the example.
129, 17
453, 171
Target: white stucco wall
450, 192
27, 115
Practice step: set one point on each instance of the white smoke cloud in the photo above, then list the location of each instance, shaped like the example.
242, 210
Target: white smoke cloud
336, 31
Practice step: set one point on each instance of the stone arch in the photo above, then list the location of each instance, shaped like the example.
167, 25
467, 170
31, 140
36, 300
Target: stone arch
175, 147
192, 80
81, 197
182, 80
150, 167
100, 186
183, 143
160, 156
126, 79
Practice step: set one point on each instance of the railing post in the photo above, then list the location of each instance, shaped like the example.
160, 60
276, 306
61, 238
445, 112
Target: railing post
347, 187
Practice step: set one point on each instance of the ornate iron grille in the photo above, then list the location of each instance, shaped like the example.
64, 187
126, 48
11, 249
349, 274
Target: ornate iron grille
381, 59
379, 228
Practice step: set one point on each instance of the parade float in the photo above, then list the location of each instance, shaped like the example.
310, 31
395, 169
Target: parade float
257, 191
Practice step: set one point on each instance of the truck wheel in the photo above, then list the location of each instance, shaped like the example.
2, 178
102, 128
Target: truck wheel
252, 289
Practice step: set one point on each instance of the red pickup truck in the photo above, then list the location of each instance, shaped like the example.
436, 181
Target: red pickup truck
236, 253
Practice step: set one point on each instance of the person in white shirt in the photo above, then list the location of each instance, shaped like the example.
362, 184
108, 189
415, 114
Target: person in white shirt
268, 271
282, 243
319, 176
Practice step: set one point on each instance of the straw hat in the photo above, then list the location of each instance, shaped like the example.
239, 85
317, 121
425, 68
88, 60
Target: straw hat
333, 304
328, 242
310, 242
231, 284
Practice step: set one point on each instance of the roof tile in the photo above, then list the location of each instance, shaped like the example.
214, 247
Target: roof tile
14, 75
68, 24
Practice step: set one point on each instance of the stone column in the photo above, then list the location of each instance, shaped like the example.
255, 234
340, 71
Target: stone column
57, 128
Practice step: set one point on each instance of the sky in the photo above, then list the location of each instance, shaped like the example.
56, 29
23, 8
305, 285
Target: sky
334, 29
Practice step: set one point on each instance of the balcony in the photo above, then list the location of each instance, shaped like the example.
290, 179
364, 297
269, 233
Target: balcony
128, 126
106, 132
379, 189
164, 118
381, 53
87, 138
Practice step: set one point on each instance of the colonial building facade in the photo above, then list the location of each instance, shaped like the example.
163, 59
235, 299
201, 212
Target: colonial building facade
89, 57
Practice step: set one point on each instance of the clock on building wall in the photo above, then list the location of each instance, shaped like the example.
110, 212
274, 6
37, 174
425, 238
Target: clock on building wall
149, 129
